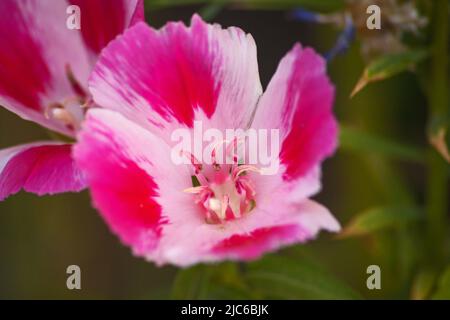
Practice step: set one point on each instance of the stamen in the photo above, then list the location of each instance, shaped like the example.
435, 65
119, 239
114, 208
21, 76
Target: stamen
195, 163
214, 153
87, 104
225, 195
214, 160
233, 146
76, 87
195, 190
224, 206
244, 168
247, 186
59, 112
214, 205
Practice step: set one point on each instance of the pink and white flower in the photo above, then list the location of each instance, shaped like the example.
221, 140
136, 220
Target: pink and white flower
150, 82
44, 67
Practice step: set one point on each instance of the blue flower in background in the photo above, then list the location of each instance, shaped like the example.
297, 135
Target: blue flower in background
345, 38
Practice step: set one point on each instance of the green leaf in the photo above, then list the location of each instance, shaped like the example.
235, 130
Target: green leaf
357, 140
216, 281
295, 278
380, 218
388, 66
191, 283
221, 292
443, 289
227, 283
210, 11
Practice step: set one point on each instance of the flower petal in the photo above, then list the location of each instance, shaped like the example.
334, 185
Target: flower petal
41, 168
127, 169
103, 20
302, 222
252, 245
188, 242
267, 186
299, 102
200, 72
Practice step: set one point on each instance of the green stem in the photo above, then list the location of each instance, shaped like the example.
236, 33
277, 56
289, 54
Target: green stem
436, 195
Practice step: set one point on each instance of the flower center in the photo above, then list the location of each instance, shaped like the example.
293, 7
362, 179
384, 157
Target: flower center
71, 110
223, 192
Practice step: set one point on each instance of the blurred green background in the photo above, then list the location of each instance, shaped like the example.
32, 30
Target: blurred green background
41, 236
